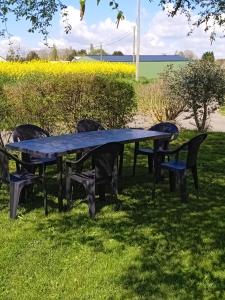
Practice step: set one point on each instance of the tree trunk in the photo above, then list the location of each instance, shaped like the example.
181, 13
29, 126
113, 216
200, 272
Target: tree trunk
204, 118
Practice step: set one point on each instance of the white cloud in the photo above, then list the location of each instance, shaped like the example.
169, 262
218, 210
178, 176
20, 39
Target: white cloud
162, 34
166, 35
105, 32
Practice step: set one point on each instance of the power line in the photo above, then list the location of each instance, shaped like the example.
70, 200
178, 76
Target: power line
129, 33
118, 40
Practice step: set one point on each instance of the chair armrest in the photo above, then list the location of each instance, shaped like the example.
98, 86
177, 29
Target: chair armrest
83, 158
19, 162
175, 152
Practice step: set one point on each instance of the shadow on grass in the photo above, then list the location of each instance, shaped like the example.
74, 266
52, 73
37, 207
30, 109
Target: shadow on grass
179, 248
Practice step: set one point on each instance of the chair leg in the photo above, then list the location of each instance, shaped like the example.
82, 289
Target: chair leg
15, 191
121, 162
114, 185
45, 193
172, 177
183, 186
68, 191
101, 192
135, 162
195, 177
150, 164
91, 200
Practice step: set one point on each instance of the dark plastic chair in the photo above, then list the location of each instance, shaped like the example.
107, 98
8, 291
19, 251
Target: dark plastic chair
28, 132
91, 125
18, 180
158, 144
105, 159
88, 125
178, 168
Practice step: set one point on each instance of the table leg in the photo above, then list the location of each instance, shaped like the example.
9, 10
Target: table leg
156, 167
60, 182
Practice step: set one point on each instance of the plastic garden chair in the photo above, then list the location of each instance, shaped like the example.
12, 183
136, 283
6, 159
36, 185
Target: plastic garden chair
19, 180
91, 125
28, 132
178, 168
104, 171
161, 144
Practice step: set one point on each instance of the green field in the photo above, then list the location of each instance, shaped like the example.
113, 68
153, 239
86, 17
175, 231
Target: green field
152, 69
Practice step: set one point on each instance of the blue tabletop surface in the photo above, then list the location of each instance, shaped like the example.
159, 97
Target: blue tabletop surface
70, 143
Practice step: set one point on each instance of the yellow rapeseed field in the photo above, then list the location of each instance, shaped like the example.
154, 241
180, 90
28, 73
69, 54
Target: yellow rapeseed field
19, 69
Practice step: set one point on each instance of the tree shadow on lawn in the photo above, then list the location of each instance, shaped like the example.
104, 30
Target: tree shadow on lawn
181, 247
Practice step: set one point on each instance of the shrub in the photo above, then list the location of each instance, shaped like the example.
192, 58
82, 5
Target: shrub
202, 86
4, 106
57, 101
155, 99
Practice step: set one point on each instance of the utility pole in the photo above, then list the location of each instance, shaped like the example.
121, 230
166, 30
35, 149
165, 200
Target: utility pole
101, 51
138, 40
134, 43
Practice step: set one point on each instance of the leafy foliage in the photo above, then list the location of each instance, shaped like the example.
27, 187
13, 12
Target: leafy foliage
208, 56
57, 101
201, 84
40, 13
54, 53
32, 55
117, 53
156, 99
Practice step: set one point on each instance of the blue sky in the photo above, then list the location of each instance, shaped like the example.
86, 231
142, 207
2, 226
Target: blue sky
160, 34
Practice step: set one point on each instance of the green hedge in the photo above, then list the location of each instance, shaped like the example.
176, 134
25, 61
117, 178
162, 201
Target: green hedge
57, 102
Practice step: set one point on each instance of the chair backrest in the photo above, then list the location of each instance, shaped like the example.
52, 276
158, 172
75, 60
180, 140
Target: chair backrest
4, 166
166, 127
193, 147
88, 125
105, 159
28, 132
1, 141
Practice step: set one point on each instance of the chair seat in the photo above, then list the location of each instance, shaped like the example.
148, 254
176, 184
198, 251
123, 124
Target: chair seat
87, 176
83, 176
15, 177
174, 165
43, 160
145, 151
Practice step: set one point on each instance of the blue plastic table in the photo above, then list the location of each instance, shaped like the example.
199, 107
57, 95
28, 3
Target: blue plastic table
58, 146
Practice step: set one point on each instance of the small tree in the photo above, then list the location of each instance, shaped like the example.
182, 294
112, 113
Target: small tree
208, 56
32, 55
97, 51
14, 55
71, 55
117, 53
54, 53
202, 86
81, 52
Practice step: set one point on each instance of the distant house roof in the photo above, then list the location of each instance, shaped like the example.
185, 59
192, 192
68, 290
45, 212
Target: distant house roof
2, 58
143, 58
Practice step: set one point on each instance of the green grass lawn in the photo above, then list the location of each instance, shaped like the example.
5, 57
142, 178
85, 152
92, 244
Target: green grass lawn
144, 250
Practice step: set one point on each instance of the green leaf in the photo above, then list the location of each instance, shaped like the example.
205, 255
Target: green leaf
120, 16
82, 8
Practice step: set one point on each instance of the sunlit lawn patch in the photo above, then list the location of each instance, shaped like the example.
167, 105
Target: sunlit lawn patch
144, 250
